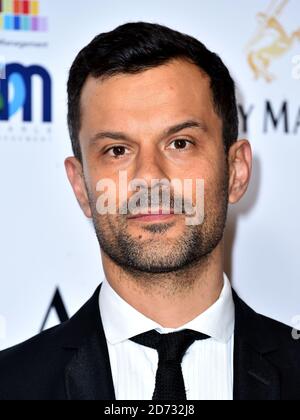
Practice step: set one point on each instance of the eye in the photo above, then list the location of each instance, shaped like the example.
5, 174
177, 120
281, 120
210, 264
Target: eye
116, 151
181, 144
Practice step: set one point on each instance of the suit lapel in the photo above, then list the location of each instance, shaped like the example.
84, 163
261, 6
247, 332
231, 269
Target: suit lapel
88, 374
255, 378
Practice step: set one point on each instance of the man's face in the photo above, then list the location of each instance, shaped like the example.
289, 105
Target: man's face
140, 109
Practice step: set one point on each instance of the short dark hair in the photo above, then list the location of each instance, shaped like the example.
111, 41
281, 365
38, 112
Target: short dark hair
138, 46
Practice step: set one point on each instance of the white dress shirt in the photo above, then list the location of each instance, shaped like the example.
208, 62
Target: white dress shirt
207, 366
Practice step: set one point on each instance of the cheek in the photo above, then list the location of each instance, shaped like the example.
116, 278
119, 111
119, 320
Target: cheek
215, 181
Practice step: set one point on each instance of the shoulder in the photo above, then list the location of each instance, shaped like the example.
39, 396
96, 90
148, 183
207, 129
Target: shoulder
267, 333
35, 369
43, 345
247, 315
287, 338
285, 334
31, 366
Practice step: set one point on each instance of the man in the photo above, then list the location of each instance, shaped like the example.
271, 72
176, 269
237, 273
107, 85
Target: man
155, 104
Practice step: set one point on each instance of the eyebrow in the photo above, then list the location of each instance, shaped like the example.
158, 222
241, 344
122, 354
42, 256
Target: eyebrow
117, 135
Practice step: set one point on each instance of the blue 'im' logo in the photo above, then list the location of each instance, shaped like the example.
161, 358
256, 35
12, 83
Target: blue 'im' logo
20, 78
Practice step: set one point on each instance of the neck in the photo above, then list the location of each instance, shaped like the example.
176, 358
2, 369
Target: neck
170, 299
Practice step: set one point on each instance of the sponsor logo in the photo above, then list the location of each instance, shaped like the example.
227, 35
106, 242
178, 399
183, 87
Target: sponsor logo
22, 15
19, 79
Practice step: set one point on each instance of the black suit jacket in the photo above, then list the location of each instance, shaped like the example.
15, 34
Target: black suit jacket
71, 361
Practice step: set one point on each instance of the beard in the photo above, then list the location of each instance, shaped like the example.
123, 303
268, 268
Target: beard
160, 254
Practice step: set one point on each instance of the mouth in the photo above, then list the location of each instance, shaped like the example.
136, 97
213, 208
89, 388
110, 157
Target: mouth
151, 217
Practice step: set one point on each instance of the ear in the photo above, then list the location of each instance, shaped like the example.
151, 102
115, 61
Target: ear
240, 168
75, 175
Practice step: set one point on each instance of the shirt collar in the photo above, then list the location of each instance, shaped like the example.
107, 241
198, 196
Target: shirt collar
121, 321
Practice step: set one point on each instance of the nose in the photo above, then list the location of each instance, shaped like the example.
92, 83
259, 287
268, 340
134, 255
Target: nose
150, 166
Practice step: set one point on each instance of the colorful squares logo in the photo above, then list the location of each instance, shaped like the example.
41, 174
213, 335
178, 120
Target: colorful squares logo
22, 15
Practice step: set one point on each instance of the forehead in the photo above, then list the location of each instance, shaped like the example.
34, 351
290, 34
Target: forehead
150, 99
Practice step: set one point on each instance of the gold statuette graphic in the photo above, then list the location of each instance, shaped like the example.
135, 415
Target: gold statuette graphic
277, 42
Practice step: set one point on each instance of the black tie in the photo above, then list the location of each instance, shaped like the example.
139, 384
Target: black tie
171, 348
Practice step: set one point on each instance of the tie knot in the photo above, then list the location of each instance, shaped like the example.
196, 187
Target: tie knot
170, 347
